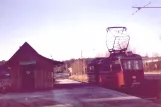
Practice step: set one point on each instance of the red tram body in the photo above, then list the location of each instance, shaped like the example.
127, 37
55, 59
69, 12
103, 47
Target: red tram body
121, 69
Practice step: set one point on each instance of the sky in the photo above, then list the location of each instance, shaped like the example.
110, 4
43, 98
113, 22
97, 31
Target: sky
61, 29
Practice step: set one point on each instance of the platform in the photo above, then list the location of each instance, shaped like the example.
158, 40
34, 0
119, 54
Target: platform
84, 96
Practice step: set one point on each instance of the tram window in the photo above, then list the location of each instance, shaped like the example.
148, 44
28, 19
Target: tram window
129, 65
133, 64
137, 65
125, 65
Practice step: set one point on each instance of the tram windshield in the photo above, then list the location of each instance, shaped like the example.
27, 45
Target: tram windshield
132, 64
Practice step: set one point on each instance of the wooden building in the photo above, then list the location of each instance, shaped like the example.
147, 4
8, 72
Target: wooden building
30, 70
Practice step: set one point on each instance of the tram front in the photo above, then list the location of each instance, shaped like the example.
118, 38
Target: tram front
133, 70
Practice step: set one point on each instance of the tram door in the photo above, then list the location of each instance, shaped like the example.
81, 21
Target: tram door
118, 75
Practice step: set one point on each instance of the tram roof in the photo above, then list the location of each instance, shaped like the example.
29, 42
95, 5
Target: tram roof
99, 61
106, 60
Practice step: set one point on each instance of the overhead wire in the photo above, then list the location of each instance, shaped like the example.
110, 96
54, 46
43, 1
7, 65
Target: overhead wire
129, 18
139, 8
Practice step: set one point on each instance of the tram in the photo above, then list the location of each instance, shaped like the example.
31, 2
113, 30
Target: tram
121, 69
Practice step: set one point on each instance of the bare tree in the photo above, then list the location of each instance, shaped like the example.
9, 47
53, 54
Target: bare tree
107, 54
78, 67
146, 54
98, 55
155, 54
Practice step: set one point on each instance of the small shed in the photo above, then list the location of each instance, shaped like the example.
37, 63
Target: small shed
30, 71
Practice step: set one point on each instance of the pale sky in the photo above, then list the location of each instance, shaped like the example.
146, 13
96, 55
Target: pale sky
62, 28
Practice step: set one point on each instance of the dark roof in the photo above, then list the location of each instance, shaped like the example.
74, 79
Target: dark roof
95, 61
26, 47
149, 58
2, 63
106, 60
51, 60
124, 55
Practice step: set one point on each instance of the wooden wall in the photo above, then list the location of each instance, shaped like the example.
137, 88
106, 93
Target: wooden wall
43, 75
43, 72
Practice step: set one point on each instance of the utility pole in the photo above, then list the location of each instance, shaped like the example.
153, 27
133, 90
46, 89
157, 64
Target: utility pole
82, 60
81, 54
94, 53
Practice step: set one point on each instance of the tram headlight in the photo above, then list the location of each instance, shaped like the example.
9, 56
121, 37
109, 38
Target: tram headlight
133, 77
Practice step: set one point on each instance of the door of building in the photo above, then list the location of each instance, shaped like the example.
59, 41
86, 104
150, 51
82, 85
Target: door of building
28, 80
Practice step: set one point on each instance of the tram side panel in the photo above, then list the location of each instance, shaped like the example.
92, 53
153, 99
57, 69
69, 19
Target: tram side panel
104, 76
